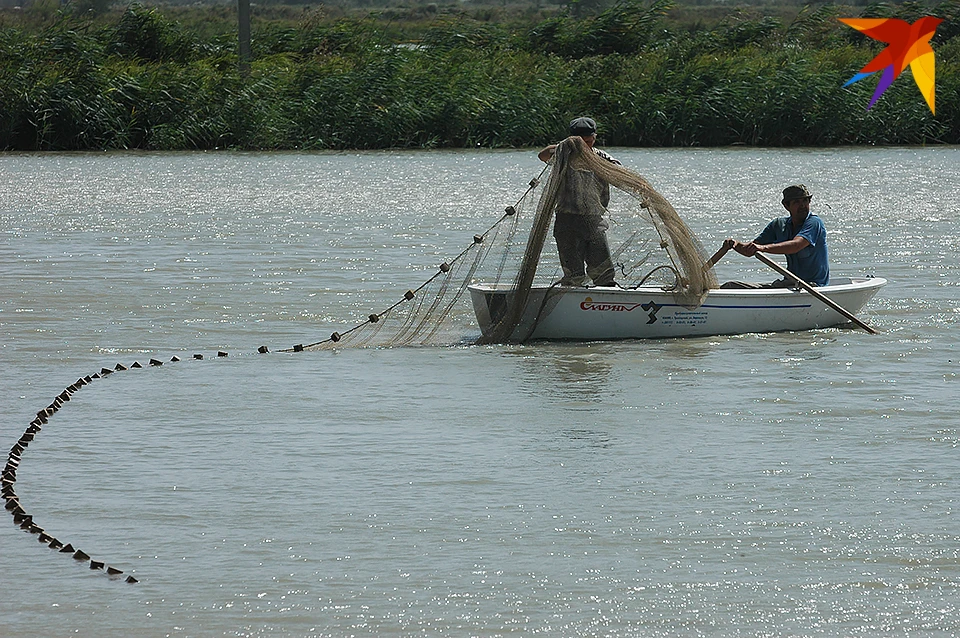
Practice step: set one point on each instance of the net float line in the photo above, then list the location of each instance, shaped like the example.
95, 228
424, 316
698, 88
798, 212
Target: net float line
423, 320
8, 477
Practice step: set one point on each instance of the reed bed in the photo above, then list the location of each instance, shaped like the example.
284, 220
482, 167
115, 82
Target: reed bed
144, 81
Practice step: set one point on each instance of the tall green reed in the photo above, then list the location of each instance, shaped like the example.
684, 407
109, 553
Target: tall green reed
146, 82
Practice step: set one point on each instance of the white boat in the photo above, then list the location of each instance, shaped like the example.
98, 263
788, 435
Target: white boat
600, 313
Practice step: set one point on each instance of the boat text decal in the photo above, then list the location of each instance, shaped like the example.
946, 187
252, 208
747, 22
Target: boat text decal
651, 308
590, 304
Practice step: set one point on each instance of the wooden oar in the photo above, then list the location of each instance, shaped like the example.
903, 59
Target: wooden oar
813, 291
717, 256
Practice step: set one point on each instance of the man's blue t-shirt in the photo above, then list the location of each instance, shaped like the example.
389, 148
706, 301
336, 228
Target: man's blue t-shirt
810, 264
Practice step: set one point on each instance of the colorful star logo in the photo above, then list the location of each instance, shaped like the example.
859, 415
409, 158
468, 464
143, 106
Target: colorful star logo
908, 44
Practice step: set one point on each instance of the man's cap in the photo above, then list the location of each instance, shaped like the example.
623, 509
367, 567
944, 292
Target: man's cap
583, 126
797, 191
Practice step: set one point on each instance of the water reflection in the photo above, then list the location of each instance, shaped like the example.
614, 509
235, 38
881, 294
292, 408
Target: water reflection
687, 348
589, 438
577, 380
578, 376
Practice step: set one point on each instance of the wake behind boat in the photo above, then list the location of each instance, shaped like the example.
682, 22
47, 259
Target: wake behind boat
578, 313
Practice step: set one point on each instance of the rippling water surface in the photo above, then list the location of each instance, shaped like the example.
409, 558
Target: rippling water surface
791, 484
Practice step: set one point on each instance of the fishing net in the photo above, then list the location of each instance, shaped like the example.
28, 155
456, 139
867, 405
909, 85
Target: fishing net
573, 162
662, 251
428, 314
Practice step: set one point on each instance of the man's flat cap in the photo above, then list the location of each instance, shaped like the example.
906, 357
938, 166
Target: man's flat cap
583, 126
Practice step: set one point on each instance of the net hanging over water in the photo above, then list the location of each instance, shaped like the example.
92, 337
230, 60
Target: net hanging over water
659, 249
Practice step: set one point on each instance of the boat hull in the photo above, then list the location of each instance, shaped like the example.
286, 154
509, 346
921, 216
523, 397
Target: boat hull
588, 314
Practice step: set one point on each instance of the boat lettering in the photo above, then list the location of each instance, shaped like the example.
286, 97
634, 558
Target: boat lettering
687, 318
590, 304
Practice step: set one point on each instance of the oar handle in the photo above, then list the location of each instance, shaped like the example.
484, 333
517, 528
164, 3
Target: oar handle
813, 291
717, 256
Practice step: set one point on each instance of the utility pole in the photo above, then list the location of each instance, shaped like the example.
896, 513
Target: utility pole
243, 12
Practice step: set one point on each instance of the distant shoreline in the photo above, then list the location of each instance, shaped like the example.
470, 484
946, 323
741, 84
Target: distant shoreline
140, 80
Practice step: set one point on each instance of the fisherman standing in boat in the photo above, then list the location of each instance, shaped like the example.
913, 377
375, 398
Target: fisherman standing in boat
580, 228
801, 237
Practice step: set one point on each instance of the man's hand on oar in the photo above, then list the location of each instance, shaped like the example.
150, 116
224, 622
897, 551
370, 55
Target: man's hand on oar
747, 249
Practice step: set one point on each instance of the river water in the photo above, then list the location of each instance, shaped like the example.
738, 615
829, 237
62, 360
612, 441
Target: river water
789, 484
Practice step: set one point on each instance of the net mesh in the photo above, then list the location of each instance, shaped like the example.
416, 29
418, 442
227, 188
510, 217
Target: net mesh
573, 160
662, 251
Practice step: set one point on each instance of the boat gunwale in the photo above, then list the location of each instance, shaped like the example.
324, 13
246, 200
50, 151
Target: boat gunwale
856, 283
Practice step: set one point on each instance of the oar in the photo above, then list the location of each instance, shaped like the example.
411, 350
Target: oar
813, 291
717, 256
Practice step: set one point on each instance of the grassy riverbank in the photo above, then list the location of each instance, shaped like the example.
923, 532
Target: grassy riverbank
652, 75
